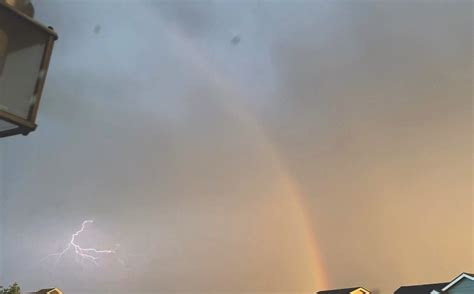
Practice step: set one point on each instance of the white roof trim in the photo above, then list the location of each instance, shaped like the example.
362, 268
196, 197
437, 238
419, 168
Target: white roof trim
459, 278
361, 288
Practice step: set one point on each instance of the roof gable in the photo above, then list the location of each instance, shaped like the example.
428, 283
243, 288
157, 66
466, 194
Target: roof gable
50, 291
459, 279
360, 290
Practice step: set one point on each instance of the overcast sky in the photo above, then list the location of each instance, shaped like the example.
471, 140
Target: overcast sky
247, 146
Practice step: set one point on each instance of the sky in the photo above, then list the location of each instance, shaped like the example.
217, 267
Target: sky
246, 147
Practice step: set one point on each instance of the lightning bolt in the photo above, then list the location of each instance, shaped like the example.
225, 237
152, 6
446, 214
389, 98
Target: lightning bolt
81, 254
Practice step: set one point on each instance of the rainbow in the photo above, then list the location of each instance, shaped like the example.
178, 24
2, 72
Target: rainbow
287, 183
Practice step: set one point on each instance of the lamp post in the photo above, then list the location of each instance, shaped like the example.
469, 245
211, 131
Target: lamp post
25, 51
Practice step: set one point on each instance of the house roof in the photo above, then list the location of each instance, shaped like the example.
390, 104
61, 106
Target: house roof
458, 279
47, 291
420, 289
341, 291
44, 291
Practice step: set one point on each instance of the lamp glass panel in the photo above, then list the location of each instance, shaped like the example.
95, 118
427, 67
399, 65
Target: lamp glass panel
22, 47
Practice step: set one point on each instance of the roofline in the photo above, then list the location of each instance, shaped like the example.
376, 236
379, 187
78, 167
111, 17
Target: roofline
457, 279
422, 285
351, 289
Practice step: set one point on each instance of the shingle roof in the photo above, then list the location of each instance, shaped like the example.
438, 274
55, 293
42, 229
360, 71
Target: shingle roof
339, 291
44, 291
421, 289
